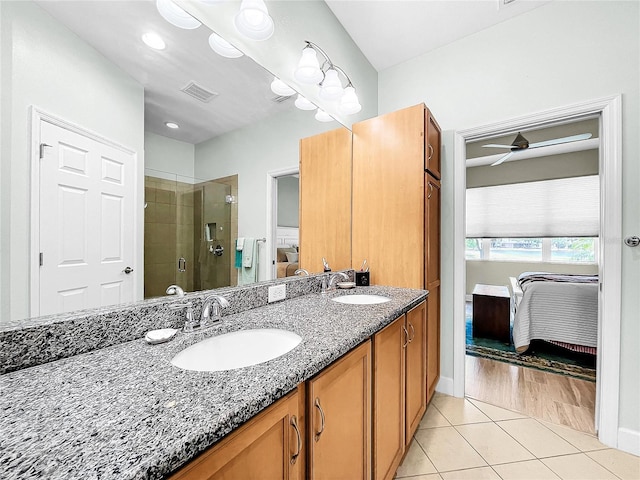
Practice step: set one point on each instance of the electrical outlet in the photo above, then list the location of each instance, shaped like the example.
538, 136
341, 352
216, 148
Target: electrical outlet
277, 292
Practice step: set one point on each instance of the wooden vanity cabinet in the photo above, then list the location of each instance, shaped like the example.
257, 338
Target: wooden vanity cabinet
270, 445
339, 418
325, 200
432, 280
433, 143
399, 388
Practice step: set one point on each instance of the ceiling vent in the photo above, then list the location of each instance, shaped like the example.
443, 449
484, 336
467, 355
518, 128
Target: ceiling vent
280, 98
199, 93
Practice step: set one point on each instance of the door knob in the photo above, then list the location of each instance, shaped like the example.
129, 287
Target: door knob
632, 241
128, 270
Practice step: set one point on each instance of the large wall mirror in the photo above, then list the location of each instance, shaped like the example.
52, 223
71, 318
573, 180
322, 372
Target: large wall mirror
201, 186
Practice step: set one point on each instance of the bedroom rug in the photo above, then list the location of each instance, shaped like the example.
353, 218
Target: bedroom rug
541, 355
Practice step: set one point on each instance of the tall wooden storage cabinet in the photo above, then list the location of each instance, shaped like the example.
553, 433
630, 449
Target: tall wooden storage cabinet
325, 193
396, 209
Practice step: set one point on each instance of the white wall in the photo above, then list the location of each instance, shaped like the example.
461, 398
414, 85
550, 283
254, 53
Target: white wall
45, 65
252, 152
556, 55
167, 155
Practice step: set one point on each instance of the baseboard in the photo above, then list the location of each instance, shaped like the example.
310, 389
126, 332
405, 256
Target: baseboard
445, 385
628, 440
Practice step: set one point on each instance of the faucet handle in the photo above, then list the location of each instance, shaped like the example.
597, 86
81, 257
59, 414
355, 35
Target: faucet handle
188, 318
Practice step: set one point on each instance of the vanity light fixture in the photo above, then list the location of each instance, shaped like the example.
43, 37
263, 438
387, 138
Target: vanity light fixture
327, 76
323, 116
154, 41
253, 20
172, 125
304, 104
222, 47
280, 88
175, 15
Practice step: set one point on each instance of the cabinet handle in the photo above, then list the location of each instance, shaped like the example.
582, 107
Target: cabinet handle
317, 435
413, 333
406, 337
430, 151
294, 424
430, 190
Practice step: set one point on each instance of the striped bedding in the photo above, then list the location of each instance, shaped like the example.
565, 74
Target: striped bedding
561, 311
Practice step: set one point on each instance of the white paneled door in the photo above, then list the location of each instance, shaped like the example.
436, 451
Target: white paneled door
86, 222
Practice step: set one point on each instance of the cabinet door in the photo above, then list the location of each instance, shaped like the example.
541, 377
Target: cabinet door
433, 340
267, 446
432, 234
416, 389
389, 398
339, 413
325, 200
432, 148
388, 197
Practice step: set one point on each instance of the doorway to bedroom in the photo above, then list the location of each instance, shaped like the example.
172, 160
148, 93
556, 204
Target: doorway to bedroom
531, 264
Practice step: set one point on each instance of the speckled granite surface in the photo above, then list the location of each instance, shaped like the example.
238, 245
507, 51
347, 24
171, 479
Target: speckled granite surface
30, 342
124, 412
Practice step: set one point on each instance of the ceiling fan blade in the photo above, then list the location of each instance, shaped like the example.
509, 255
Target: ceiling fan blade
557, 141
494, 145
504, 158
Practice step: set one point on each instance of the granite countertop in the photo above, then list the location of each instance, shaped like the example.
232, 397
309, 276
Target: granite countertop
124, 412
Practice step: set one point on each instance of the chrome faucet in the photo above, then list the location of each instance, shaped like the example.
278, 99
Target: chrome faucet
328, 281
211, 310
301, 270
189, 322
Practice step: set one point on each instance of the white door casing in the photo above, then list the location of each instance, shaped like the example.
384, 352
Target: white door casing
83, 223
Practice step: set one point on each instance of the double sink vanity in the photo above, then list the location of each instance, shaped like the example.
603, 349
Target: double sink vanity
124, 411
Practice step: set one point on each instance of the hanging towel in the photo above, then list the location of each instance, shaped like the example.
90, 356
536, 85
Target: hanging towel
248, 273
239, 246
248, 252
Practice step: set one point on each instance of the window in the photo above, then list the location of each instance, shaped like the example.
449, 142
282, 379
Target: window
553, 250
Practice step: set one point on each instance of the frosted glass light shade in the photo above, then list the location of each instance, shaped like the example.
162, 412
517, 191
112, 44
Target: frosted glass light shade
323, 116
304, 104
154, 41
349, 103
308, 70
175, 15
331, 88
222, 47
253, 20
280, 88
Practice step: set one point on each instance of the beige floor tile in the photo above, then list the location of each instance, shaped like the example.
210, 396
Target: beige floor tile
537, 438
459, 411
484, 473
624, 465
415, 462
447, 449
433, 418
496, 413
584, 442
493, 444
529, 470
430, 476
577, 467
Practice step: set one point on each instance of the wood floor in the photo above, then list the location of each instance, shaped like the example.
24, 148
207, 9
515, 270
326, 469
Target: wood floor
555, 398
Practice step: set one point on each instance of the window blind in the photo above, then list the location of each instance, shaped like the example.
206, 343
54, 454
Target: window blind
564, 207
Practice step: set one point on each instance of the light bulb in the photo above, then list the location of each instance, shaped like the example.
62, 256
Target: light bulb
349, 103
253, 20
153, 40
323, 116
172, 125
280, 88
222, 47
308, 70
331, 88
175, 15
304, 104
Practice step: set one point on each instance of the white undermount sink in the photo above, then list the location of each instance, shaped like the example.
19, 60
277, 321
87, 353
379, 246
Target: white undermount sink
236, 350
361, 299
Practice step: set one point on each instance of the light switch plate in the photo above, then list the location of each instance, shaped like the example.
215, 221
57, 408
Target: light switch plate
277, 292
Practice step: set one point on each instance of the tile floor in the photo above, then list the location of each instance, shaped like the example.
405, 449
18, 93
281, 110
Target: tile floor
468, 439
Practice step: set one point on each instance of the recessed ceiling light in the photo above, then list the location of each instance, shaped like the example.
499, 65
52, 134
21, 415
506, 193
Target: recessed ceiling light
153, 40
172, 125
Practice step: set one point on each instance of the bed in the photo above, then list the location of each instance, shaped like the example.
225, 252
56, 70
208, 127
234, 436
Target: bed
285, 268
557, 308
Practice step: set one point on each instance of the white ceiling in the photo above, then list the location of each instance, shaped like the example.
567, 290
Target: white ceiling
390, 32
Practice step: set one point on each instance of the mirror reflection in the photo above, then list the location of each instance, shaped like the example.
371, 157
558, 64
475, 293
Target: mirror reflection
204, 183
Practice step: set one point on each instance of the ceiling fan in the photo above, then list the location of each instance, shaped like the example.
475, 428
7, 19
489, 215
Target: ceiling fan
521, 143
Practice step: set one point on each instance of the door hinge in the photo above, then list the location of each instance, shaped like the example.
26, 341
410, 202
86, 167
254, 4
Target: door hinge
41, 259
42, 146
